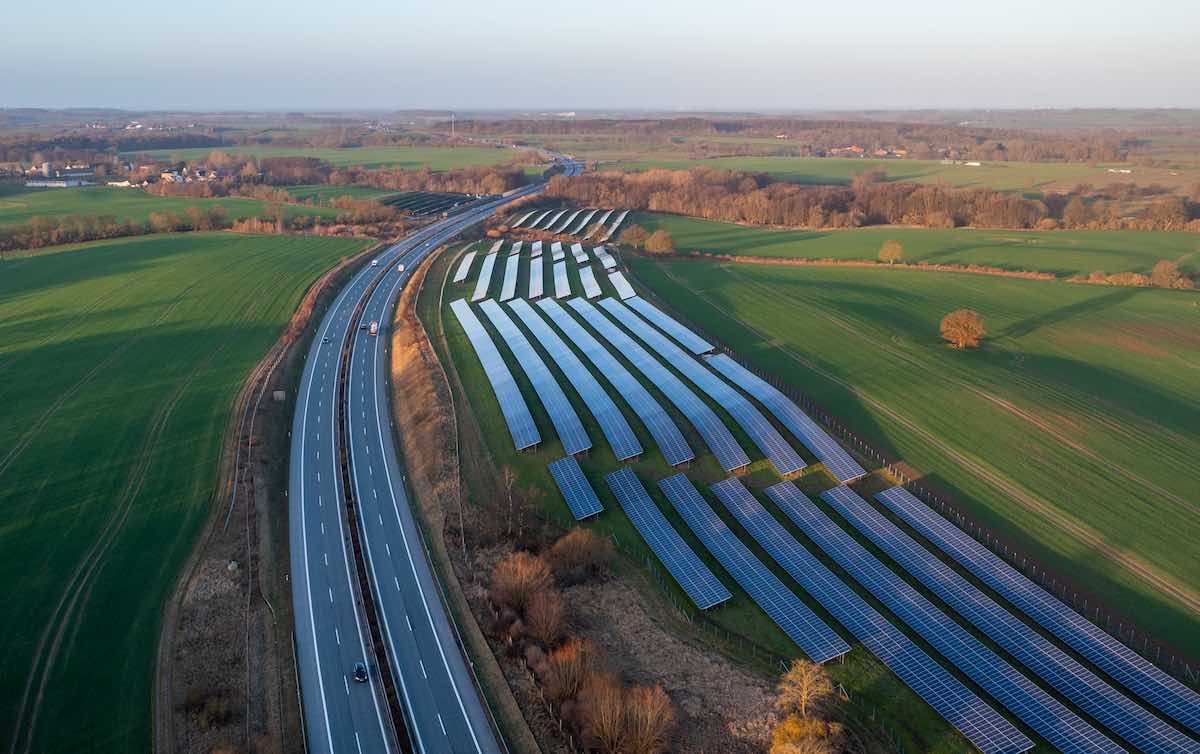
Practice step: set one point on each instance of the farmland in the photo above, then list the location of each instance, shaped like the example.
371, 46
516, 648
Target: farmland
19, 204
1063, 252
873, 687
1076, 419
407, 158
119, 362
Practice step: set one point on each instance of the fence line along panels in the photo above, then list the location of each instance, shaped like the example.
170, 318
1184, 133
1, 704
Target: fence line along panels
837, 459
714, 432
520, 422
562, 414
958, 705
680, 560
657, 421
612, 422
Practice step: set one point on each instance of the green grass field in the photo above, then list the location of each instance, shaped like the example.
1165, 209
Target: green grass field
1062, 252
408, 158
18, 204
1002, 176
1073, 428
119, 362
869, 683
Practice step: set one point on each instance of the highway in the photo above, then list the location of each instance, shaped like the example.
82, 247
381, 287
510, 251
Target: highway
443, 710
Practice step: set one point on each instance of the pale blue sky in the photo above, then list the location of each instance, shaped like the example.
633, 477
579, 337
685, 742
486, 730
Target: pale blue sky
665, 54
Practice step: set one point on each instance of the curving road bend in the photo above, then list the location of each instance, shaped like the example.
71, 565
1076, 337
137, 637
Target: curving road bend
442, 706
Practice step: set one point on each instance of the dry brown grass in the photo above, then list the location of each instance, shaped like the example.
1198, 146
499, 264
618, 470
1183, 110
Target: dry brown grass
579, 555
545, 616
518, 577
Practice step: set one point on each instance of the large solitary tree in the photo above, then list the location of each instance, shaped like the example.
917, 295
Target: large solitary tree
963, 328
891, 252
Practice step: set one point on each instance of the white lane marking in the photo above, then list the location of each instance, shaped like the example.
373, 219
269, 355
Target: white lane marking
322, 527
357, 742
389, 549
398, 589
444, 726
381, 519
347, 682
337, 635
422, 664
326, 560
331, 595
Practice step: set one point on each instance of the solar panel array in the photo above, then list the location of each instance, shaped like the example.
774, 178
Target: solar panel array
591, 289
671, 326
583, 223
624, 289
704, 589
612, 422
535, 249
569, 219
575, 488
556, 249
1047, 716
512, 404
516, 247
1075, 682
716, 435
974, 718
606, 259
578, 252
798, 621
536, 278
562, 285
562, 414
836, 459
1118, 661
552, 220
485, 277
603, 219
538, 220
508, 288
464, 267
660, 425
616, 224
782, 455
524, 217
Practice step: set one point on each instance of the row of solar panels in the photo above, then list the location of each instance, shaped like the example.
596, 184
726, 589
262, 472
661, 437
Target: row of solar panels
508, 287
567, 221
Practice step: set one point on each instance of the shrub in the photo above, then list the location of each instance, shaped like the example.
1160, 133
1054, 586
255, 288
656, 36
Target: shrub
566, 669
545, 616
800, 735
660, 242
578, 555
649, 720
634, 235
517, 577
602, 709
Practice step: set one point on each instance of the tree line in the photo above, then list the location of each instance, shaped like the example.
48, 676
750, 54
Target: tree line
757, 199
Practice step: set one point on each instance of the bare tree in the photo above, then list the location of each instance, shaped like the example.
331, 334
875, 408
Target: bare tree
891, 252
508, 477
802, 686
963, 328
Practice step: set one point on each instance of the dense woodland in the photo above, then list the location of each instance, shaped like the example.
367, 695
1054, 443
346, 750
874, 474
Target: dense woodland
758, 200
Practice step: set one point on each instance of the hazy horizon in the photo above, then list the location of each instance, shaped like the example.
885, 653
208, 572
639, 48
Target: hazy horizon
666, 56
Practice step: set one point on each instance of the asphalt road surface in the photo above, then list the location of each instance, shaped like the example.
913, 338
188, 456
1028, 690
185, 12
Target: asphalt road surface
442, 706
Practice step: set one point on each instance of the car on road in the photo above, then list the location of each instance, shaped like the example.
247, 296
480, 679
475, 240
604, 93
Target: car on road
363, 326
360, 672
325, 339
374, 262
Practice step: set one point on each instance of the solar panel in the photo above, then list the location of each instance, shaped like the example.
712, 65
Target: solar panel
524, 217
485, 278
671, 326
624, 289
557, 250
704, 589
591, 289
603, 219
1048, 717
579, 254
516, 247
496, 247
536, 278
464, 267
606, 259
552, 220
583, 223
958, 705
538, 220
569, 219
575, 488
668, 437
562, 414
798, 621
782, 455
1074, 681
508, 288
1119, 662
535, 249
612, 422
512, 404
714, 432
562, 286
836, 459
616, 224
